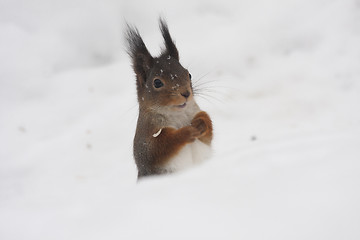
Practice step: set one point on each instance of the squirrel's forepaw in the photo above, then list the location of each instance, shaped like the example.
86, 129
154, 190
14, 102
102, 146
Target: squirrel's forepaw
200, 122
191, 133
200, 125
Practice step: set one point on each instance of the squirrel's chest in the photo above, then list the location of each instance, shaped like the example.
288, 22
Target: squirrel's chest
191, 154
180, 119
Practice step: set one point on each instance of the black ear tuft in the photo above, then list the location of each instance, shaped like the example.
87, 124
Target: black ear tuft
169, 43
141, 58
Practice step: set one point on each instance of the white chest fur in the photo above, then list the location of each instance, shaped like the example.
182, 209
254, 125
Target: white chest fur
191, 154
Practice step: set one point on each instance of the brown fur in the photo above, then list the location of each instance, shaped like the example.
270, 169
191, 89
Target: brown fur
170, 108
203, 123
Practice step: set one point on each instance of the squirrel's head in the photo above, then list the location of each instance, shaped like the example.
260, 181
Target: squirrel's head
161, 81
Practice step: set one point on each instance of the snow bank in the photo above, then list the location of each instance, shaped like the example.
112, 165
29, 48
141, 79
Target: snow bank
279, 78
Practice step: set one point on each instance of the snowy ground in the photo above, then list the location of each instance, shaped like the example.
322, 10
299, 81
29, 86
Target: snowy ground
280, 80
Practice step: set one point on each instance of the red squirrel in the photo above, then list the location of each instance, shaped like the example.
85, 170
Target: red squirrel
172, 132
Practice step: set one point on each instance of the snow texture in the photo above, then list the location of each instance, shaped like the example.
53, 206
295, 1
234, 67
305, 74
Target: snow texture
280, 80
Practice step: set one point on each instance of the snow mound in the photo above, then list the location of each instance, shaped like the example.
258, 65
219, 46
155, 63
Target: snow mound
280, 80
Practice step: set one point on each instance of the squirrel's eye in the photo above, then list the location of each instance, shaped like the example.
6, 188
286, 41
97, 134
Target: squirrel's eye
158, 83
189, 75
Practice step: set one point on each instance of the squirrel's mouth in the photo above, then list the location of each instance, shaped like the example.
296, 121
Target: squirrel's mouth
182, 105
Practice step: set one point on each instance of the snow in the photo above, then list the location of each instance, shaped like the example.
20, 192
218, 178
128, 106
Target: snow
280, 80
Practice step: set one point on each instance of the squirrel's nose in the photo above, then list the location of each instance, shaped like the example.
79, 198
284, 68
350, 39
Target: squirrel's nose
185, 94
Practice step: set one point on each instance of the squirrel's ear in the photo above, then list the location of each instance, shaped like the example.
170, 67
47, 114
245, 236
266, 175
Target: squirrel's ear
141, 58
169, 43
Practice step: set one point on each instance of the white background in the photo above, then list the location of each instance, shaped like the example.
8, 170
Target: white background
280, 79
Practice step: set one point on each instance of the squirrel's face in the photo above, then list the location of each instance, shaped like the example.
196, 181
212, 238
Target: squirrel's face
161, 82
168, 85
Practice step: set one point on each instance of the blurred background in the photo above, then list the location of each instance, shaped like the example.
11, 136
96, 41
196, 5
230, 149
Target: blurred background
279, 78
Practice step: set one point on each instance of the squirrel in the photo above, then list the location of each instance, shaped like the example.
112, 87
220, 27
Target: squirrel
172, 132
